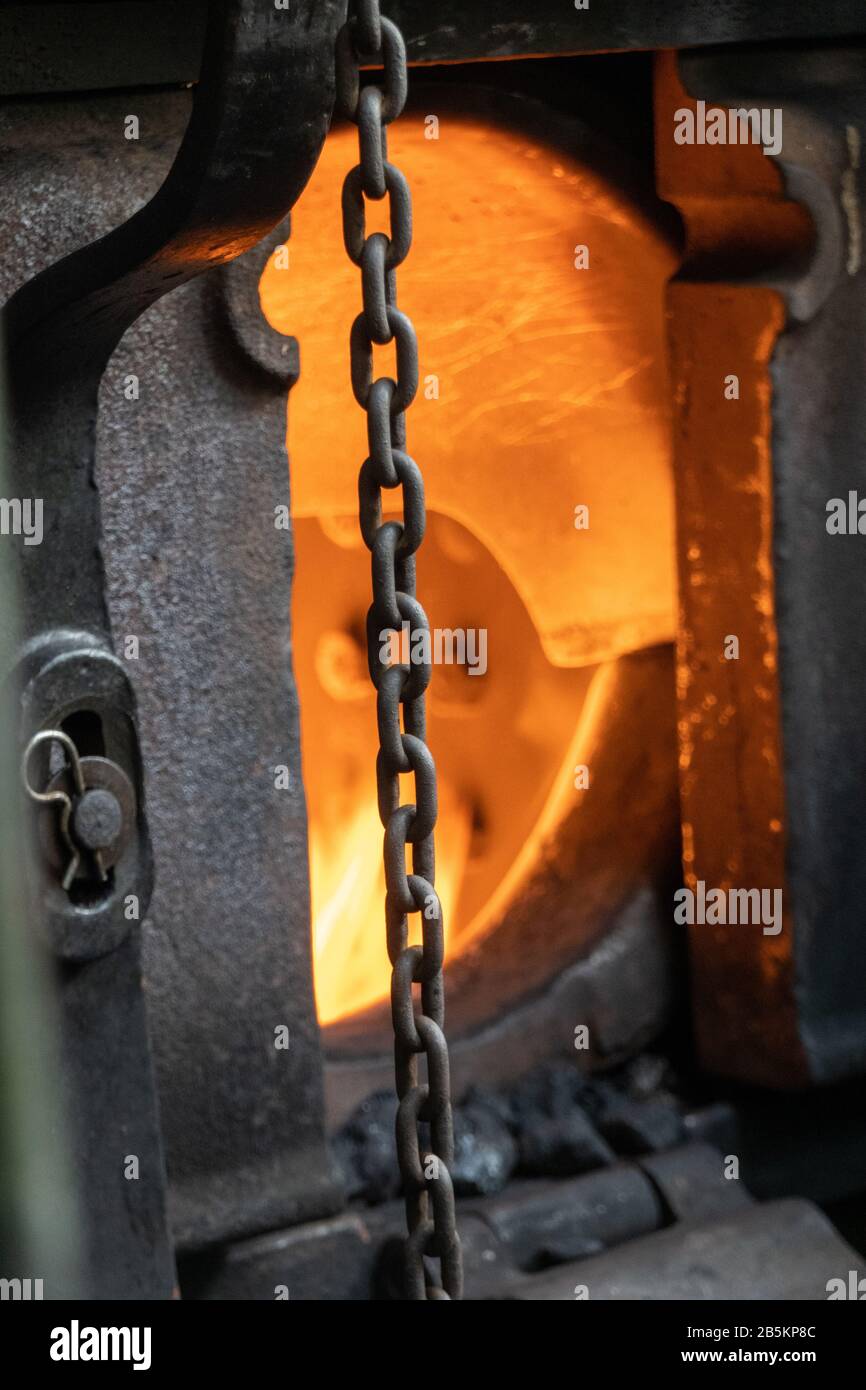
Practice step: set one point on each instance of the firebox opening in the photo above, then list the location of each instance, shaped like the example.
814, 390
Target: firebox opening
541, 427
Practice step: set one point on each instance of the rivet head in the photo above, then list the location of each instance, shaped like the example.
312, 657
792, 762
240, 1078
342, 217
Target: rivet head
97, 819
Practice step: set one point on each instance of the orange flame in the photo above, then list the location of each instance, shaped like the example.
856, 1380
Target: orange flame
540, 389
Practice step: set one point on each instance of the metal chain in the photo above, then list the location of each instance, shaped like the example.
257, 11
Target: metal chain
367, 37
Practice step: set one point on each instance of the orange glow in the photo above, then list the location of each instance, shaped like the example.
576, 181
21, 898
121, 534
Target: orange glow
540, 391
348, 890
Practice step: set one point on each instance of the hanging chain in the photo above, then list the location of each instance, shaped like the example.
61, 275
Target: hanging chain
367, 37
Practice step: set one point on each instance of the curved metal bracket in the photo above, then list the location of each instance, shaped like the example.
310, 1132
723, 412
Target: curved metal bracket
259, 119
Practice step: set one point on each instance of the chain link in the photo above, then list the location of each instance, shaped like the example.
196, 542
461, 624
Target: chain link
368, 38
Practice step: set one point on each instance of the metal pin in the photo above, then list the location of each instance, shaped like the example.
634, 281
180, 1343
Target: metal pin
59, 797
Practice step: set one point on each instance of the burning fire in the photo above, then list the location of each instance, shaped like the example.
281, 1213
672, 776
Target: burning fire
540, 391
348, 890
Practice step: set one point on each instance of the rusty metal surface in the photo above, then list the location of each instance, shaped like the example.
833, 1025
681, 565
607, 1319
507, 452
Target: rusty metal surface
772, 744
203, 578
449, 31
227, 187
49, 47
418, 1016
818, 424
242, 1121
